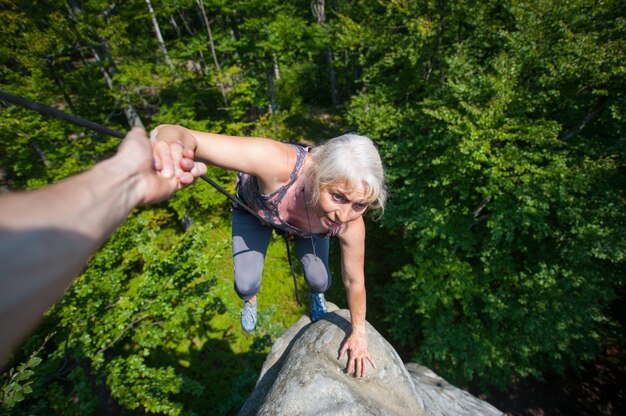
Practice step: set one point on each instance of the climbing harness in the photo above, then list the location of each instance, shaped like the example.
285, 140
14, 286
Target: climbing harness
285, 235
53, 112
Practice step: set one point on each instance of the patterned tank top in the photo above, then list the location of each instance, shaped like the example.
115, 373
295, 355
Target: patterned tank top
284, 206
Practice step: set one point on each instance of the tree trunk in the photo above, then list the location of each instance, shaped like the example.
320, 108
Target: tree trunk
214, 53
157, 31
184, 18
272, 90
132, 117
276, 68
107, 67
175, 24
598, 108
332, 78
235, 38
61, 83
273, 74
40, 152
319, 11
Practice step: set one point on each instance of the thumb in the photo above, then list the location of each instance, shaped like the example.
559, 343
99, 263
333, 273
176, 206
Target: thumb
136, 135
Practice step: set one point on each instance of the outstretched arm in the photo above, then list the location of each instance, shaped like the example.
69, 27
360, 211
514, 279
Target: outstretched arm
47, 235
270, 161
352, 242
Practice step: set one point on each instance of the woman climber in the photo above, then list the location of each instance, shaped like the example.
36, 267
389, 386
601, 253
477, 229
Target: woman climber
312, 194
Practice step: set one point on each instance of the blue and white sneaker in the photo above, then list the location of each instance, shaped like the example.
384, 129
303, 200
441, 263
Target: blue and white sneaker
318, 306
248, 317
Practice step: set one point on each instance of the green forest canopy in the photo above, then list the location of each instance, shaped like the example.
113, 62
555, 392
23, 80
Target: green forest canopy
502, 127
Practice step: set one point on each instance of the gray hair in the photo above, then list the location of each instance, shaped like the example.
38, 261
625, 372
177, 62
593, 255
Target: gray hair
348, 161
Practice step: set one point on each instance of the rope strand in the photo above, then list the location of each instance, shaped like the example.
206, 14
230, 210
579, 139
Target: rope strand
81, 122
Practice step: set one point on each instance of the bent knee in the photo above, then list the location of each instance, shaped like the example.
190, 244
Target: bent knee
247, 289
316, 273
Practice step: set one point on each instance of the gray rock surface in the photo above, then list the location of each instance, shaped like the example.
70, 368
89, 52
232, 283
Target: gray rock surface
443, 399
302, 375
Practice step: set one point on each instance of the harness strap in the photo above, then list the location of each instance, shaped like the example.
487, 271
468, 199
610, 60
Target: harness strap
285, 236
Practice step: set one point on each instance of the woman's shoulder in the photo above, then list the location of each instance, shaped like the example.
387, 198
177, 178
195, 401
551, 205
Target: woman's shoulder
279, 167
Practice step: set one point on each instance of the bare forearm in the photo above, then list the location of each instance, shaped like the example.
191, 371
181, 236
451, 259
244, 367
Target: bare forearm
357, 303
352, 260
238, 153
356, 342
46, 238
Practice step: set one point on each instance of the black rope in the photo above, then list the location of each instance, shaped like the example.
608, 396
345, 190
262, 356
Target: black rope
53, 112
285, 236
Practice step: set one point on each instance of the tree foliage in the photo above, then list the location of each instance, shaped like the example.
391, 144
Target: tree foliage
501, 125
503, 132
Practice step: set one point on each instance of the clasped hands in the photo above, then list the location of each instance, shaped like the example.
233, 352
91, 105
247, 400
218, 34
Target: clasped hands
172, 159
160, 168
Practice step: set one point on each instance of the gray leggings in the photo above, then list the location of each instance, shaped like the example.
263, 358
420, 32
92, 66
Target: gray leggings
250, 241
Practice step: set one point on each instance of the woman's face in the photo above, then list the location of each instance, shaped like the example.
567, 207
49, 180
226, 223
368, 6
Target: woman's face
338, 205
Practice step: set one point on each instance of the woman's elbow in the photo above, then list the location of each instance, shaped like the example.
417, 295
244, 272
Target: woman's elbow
354, 285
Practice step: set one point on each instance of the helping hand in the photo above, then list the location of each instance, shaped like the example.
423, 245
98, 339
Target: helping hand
163, 168
176, 158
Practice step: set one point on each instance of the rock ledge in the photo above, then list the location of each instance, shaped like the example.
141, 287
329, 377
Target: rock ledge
303, 376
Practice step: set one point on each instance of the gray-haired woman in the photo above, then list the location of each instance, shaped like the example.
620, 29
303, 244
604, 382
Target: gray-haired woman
313, 194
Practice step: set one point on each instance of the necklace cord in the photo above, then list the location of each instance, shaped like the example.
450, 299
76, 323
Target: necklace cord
306, 207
